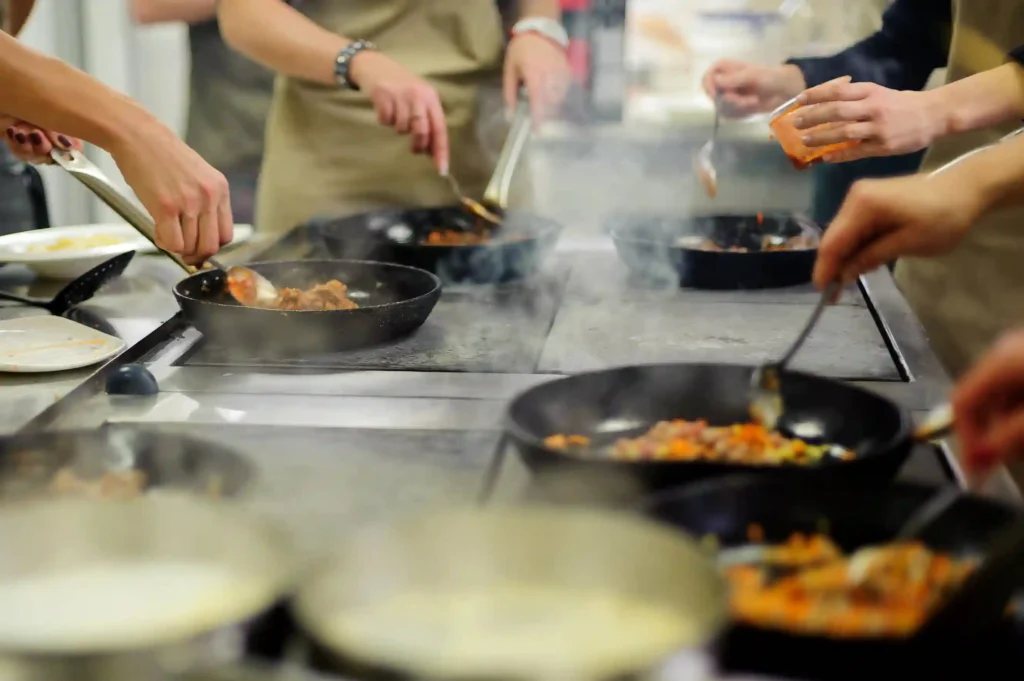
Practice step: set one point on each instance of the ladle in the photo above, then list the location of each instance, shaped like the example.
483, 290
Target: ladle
245, 285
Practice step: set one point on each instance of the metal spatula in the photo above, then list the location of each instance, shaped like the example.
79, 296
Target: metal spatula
246, 285
81, 289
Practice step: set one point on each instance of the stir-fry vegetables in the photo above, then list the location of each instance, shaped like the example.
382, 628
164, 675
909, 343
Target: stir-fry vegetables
809, 586
680, 440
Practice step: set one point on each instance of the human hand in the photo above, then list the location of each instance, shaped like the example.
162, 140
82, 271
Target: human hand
31, 144
748, 89
882, 220
405, 102
542, 67
988, 407
187, 198
886, 122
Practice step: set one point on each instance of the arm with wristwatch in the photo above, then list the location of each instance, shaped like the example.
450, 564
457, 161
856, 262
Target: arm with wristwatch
281, 38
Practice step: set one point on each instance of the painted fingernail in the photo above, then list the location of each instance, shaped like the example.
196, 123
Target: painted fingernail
19, 138
36, 138
64, 141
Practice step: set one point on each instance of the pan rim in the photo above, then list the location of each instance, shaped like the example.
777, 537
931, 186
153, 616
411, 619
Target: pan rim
617, 233
433, 278
518, 432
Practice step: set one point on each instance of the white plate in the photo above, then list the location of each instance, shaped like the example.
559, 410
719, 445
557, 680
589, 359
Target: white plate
27, 248
40, 344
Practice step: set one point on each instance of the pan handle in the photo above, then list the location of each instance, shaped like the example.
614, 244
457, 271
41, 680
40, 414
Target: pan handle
496, 193
89, 174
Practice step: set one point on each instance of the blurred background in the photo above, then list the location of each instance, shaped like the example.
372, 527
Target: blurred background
639, 63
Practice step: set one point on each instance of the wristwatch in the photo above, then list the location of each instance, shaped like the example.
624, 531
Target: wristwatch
547, 28
343, 62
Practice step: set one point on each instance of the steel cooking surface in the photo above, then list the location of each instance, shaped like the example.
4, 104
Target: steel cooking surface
486, 329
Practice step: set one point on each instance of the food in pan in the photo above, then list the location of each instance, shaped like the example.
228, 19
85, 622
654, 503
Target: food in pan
808, 585
77, 243
111, 485
456, 237
519, 631
680, 440
330, 296
769, 244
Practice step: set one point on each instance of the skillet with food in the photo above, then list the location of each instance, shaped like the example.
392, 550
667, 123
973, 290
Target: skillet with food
323, 305
117, 463
719, 251
450, 242
670, 424
820, 590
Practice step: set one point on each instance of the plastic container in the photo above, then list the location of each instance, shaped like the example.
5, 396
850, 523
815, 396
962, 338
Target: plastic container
790, 139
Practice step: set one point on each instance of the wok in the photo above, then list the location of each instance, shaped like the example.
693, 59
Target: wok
218, 568
29, 462
394, 300
725, 508
627, 401
514, 251
487, 551
666, 249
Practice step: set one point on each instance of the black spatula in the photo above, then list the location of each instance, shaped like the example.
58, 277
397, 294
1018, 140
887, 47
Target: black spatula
81, 289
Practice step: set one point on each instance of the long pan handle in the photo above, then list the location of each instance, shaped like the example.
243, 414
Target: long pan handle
496, 193
89, 174
972, 152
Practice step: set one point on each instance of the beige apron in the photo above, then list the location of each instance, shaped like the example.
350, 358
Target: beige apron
327, 155
966, 299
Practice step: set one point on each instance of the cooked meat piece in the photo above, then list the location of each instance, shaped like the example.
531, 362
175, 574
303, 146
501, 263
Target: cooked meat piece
330, 296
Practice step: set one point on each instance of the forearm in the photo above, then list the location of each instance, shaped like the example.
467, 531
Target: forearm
281, 38
50, 94
988, 98
18, 12
159, 11
548, 9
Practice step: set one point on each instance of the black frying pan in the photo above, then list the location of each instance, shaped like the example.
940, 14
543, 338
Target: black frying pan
666, 248
514, 251
725, 508
394, 301
627, 401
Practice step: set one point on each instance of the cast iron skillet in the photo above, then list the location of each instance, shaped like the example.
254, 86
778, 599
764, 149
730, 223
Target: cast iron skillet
514, 252
627, 401
725, 508
665, 249
394, 301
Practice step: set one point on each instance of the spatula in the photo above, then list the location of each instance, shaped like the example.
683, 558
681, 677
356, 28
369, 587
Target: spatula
81, 289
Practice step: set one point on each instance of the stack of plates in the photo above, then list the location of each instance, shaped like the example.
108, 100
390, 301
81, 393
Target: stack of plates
69, 252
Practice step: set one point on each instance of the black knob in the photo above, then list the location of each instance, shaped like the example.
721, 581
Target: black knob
132, 379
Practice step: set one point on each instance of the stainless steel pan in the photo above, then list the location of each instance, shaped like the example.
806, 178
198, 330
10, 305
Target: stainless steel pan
488, 551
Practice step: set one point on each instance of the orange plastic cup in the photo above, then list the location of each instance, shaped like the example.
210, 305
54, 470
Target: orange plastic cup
789, 138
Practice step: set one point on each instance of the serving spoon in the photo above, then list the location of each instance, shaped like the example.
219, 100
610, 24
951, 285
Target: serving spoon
703, 163
247, 286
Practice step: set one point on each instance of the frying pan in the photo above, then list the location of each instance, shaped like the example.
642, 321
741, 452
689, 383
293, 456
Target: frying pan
30, 461
181, 533
665, 249
515, 250
487, 551
725, 508
394, 300
627, 401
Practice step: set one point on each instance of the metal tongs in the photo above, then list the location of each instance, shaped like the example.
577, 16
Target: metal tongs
495, 199
247, 286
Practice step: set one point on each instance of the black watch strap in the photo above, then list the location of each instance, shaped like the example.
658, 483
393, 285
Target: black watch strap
343, 62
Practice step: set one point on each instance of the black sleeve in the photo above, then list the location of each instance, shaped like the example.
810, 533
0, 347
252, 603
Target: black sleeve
1017, 54
913, 42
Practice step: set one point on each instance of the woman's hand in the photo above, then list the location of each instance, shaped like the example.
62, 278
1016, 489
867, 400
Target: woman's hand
405, 102
542, 67
188, 199
886, 122
882, 220
31, 144
988, 407
748, 89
